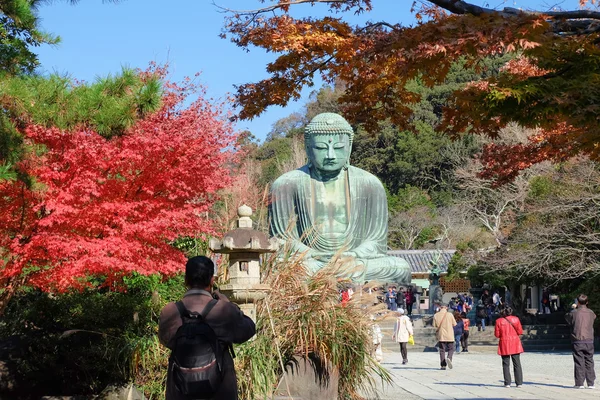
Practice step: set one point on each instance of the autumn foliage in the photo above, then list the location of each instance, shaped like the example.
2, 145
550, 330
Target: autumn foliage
554, 90
105, 207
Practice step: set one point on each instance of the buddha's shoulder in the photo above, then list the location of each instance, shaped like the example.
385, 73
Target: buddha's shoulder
365, 176
290, 178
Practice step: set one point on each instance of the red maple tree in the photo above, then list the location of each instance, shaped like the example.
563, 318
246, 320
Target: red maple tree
105, 207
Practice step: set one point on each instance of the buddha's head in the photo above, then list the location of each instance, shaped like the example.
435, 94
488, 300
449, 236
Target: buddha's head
328, 142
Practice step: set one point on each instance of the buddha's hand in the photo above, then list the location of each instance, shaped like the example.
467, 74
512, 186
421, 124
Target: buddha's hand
320, 256
348, 254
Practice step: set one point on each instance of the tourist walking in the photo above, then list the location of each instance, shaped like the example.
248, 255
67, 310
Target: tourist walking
444, 323
410, 300
225, 319
459, 328
480, 315
377, 351
464, 341
390, 299
401, 299
581, 321
508, 329
496, 302
403, 330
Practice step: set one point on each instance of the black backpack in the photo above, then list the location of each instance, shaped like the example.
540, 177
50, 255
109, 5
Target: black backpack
197, 355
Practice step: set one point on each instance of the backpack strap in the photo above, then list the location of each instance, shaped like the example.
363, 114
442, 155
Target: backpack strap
184, 312
208, 308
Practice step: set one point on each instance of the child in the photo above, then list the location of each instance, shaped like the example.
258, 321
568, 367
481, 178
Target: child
464, 340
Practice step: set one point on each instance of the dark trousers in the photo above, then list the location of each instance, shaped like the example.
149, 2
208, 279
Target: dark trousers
516, 360
446, 347
464, 341
404, 351
583, 357
409, 308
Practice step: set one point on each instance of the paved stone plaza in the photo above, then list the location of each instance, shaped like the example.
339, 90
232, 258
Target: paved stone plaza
478, 375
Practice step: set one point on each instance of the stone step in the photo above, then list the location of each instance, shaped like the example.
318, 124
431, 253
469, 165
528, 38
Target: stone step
482, 347
534, 338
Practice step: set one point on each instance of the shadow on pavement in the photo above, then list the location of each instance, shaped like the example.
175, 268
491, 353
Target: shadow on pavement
501, 385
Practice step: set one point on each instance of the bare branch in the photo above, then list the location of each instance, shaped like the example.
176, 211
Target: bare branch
576, 21
278, 6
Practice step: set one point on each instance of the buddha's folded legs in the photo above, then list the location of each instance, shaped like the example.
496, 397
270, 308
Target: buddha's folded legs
387, 269
384, 269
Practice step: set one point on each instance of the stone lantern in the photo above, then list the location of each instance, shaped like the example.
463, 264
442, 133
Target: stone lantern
244, 246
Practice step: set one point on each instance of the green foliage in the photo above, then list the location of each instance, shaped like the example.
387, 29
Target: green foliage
271, 154
19, 32
540, 187
109, 106
192, 246
409, 197
97, 337
478, 275
457, 265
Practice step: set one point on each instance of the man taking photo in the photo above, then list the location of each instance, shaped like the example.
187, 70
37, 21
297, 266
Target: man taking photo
200, 330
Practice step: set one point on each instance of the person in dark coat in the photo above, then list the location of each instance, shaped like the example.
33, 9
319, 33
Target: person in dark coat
226, 319
581, 321
508, 329
410, 299
480, 315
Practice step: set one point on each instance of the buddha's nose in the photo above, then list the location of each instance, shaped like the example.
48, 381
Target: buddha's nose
331, 153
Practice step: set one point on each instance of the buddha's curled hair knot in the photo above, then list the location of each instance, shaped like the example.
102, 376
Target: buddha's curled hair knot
328, 124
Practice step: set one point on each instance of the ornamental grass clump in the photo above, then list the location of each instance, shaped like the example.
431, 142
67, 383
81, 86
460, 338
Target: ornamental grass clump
303, 316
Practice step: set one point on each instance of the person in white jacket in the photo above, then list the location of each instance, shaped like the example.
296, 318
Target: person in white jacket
402, 331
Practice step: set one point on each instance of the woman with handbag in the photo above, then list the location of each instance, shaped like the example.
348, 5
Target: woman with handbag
403, 331
508, 329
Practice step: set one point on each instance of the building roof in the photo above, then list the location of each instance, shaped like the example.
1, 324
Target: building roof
420, 261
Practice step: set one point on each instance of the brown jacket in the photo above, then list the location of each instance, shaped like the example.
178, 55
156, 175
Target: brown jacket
226, 319
581, 321
444, 322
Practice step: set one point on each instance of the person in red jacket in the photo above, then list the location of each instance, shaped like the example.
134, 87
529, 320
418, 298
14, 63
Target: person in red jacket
508, 329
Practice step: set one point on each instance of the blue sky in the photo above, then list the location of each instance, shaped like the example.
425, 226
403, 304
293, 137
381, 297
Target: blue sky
99, 38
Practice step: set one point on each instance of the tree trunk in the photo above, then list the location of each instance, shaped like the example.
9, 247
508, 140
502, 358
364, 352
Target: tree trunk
12, 285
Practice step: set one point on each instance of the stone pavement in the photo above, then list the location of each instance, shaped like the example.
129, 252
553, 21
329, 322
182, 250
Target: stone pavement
478, 375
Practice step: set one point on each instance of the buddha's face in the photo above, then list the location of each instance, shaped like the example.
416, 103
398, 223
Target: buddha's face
329, 153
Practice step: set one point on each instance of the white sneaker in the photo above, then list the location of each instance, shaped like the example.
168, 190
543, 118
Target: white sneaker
519, 386
579, 387
592, 387
506, 386
449, 363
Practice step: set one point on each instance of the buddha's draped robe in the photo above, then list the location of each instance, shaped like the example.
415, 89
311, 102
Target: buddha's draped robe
357, 223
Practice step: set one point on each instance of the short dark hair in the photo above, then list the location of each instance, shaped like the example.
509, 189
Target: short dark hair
198, 272
582, 299
507, 311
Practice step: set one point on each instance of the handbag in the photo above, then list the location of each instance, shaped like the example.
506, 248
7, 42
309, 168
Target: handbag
411, 340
